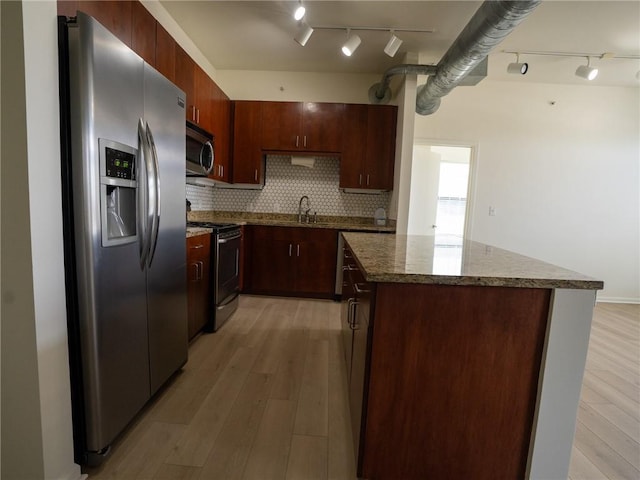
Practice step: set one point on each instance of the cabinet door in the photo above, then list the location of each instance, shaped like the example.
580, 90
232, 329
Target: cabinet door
247, 154
322, 125
381, 146
67, 8
281, 126
114, 15
220, 127
143, 34
354, 146
203, 93
165, 53
184, 70
271, 260
360, 328
198, 281
315, 257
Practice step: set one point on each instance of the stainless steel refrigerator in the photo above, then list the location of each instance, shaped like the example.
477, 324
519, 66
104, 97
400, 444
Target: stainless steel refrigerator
123, 151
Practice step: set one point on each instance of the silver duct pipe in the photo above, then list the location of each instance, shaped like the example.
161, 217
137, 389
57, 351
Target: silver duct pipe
381, 93
493, 21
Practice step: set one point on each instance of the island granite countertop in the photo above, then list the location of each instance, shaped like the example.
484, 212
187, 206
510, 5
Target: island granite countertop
451, 260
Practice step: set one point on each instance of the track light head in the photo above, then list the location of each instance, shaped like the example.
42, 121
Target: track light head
517, 67
300, 11
587, 71
351, 45
392, 45
304, 33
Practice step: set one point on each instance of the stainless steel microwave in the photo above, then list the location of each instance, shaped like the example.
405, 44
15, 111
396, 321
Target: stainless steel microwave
200, 151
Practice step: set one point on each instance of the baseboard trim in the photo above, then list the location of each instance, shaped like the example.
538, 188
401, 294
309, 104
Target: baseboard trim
618, 300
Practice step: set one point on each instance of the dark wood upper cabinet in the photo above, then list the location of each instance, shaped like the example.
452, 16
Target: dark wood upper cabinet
322, 125
354, 146
310, 127
184, 79
165, 53
67, 8
221, 129
116, 16
281, 127
143, 35
368, 149
203, 91
247, 153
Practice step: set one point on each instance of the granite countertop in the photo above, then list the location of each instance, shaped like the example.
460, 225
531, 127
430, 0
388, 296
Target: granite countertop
291, 220
450, 260
195, 231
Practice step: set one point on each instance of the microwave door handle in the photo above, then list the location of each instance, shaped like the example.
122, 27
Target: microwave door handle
142, 194
207, 145
154, 195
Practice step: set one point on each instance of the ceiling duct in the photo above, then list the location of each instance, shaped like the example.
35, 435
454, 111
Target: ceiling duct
491, 23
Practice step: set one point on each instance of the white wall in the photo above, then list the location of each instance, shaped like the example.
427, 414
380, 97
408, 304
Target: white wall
36, 405
296, 86
43, 132
563, 178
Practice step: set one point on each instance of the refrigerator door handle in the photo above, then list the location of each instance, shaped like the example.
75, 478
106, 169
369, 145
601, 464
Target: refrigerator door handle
154, 196
142, 194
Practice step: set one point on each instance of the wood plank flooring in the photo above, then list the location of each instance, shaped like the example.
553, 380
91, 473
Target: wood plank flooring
607, 440
265, 398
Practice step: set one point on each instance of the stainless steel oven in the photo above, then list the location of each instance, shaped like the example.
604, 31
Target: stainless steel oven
226, 283
225, 272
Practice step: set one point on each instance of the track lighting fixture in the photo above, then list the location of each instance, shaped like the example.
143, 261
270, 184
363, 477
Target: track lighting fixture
353, 42
304, 33
587, 71
392, 45
300, 11
517, 67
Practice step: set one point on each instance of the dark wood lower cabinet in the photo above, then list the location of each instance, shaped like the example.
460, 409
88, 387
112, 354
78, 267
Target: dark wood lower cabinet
198, 264
450, 382
290, 261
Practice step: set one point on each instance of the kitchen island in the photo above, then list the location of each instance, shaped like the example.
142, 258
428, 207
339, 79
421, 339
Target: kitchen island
464, 360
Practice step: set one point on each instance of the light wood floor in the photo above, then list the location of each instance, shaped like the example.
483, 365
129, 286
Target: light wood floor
265, 398
607, 440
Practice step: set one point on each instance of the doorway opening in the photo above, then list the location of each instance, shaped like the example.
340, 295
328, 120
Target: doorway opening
439, 197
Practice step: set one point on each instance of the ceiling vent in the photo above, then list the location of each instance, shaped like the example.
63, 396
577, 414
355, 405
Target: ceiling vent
466, 57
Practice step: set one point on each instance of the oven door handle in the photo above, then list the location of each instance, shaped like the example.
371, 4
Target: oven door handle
225, 240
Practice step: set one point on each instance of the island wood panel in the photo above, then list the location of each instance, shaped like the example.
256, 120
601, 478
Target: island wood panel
453, 381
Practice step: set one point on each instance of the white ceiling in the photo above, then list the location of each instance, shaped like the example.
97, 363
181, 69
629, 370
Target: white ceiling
258, 35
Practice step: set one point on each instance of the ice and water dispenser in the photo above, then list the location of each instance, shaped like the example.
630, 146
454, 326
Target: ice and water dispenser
118, 189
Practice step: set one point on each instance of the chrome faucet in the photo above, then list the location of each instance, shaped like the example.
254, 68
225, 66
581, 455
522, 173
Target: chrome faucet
300, 209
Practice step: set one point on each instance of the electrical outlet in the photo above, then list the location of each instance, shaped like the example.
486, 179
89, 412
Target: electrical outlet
492, 211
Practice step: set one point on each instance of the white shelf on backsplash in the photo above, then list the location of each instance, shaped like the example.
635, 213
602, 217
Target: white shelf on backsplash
284, 185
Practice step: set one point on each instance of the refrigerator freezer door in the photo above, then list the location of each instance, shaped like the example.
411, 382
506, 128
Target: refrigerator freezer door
166, 275
106, 85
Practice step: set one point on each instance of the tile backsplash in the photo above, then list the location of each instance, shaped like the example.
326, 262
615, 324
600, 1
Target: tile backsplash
284, 185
